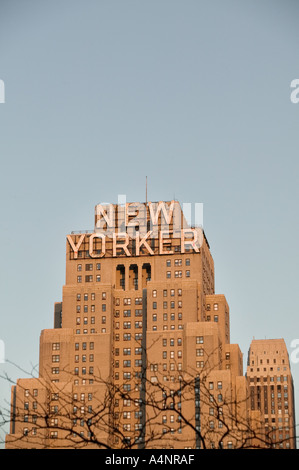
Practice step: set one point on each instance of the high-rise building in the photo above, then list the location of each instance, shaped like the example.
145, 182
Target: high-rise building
272, 391
140, 353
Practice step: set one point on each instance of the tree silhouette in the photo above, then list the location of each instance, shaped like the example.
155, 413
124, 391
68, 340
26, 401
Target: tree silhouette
165, 409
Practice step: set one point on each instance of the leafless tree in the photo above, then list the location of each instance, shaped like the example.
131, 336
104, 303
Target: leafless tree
187, 411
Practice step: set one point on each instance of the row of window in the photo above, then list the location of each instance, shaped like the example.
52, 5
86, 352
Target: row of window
171, 304
215, 306
127, 351
128, 363
84, 358
127, 325
26, 405
278, 378
91, 331
92, 320
89, 267
84, 370
34, 392
268, 362
92, 296
89, 278
127, 313
128, 337
128, 300
92, 308
82, 396
178, 262
165, 292
178, 274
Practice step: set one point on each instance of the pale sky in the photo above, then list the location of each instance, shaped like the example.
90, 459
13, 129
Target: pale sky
193, 94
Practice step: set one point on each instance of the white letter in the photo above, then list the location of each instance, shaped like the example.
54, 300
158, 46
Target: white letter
75, 247
104, 214
294, 97
294, 357
124, 245
155, 216
91, 238
195, 242
143, 242
161, 242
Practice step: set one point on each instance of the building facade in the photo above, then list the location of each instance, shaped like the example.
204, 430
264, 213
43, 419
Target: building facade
140, 353
272, 391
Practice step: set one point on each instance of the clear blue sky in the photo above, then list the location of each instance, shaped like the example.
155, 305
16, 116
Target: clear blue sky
195, 95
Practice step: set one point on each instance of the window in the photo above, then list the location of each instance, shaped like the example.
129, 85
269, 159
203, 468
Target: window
98, 278
154, 293
79, 267
168, 263
200, 364
187, 273
55, 346
79, 279
199, 339
168, 275
187, 261
215, 306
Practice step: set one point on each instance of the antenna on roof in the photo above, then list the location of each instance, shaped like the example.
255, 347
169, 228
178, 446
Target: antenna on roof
146, 190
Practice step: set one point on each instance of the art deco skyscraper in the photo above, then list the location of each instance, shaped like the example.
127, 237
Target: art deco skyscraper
140, 353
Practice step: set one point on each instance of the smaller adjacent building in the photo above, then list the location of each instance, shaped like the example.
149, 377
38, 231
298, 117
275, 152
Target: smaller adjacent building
272, 391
